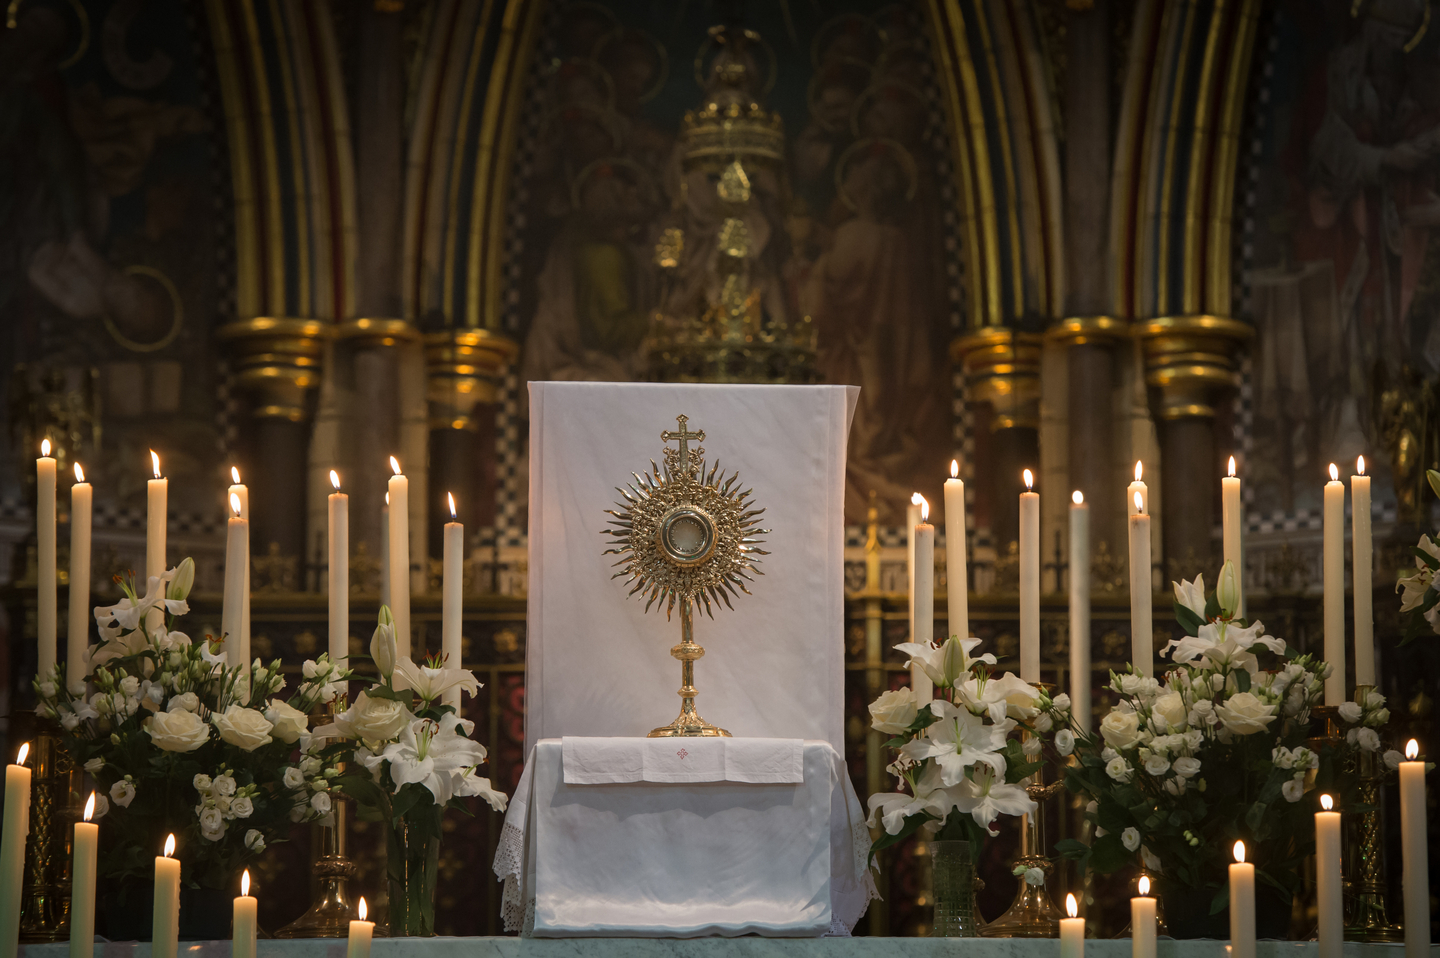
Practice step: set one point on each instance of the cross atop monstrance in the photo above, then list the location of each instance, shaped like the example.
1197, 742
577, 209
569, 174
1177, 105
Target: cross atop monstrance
679, 462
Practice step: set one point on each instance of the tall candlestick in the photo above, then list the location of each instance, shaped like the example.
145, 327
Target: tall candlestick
924, 596
1029, 581
450, 603
77, 639
157, 494
14, 827
165, 926
1329, 903
912, 519
1072, 931
1415, 876
243, 924
400, 557
339, 572
385, 552
1142, 922
1334, 566
1142, 642
361, 932
1242, 906
239, 489
237, 558
957, 592
1362, 547
1232, 527
1080, 611
1137, 487
46, 604
82, 884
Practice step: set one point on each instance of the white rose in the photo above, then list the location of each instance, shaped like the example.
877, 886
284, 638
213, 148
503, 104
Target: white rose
1169, 709
185, 701
1031, 747
288, 721
320, 801
130, 685
375, 720
224, 785
293, 778
1187, 767
246, 729
1043, 723
893, 712
1156, 765
177, 731
1244, 714
223, 804
1061, 702
255, 841
1350, 712
1368, 739
212, 824
242, 807
202, 783
1119, 770
1130, 838
1064, 741
122, 793
1293, 789
1121, 730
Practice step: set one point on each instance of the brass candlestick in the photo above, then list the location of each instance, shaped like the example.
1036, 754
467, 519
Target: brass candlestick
55, 781
1365, 856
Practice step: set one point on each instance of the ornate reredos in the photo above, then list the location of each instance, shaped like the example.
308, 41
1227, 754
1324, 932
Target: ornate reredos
684, 534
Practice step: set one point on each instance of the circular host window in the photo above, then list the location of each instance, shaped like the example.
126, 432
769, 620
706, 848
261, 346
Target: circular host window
687, 536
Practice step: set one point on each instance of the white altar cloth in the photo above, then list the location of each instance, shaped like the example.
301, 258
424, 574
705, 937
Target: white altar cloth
622, 761
685, 860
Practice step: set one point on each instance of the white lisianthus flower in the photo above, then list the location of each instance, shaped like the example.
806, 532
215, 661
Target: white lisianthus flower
242, 806
255, 841
122, 793
212, 824
1034, 877
1368, 739
1064, 741
1061, 702
1031, 746
1119, 770
1130, 838
1108, 754
130, 685
288, 722
202, 783
102, 807
246, 729
177, 731
1393, 759
1351, 712
224, 786
293, 778
1157, 765
1245, 714
320, 801
430, 684
893, 711
94, 765
1121, 730
1293, 789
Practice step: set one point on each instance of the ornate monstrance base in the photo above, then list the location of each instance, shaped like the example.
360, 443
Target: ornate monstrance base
688, 724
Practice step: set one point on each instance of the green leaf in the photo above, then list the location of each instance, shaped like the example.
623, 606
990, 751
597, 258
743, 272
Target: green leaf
1242, 680
1212, 606
1187, 618
907, 829
1109, 854
1255, 816
1221, 900
1073, 849
384, 692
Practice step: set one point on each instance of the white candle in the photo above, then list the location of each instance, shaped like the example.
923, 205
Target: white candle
957, 593
82, 885
13, 829
358, 944
385, 552
165, 926
1334, 565
1029, 581
243, 924
1080, 611
1072, 931
1232, 526
400, 557
1329, 904
912, 519
1142, 643
1242, 906
242, 491
923, 595
1137, 487
77, 639
1362, 545
46, 604
237, 558
451, 602
339, 574
157, 493
1142, 922
1415, 876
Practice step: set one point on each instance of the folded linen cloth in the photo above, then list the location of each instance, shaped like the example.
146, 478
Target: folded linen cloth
618, 761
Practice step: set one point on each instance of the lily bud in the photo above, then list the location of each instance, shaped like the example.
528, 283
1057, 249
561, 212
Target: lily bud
382, 645
952, 661
184, 579
1227, 592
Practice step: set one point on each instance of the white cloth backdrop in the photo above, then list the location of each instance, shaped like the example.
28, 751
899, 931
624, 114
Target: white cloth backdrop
595, 663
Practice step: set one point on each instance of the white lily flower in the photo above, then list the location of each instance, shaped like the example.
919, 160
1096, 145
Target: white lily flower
987, 797
960, 739
1000, 696
471, 785
890, 809
947, 662
1191, 595
1221, 645
430, 683
434, 755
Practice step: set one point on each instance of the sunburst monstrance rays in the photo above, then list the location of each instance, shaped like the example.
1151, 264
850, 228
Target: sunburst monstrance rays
684, 534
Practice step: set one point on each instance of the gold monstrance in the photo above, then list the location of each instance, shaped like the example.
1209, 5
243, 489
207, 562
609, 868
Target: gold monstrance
687, 540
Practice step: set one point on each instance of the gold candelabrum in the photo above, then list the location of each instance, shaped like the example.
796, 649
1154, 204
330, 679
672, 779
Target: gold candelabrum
54, 787
1366, 918
1032, 914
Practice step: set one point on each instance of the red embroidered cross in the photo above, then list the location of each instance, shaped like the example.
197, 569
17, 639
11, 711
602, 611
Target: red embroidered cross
682, 753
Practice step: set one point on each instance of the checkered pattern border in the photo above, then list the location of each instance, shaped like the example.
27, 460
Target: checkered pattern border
109, 517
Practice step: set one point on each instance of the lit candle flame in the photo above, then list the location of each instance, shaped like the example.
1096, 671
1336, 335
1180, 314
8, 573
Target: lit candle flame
235, 504
915, 498
235, 475
155, 462
954, 469
1412, 751
1139, 469
1144, 885
90, 807
1360, 465
335, 479
924, 509
24, 753
395, 464
1029, 479
1077, 497
450, 496
1232, 467
1070, 907
363, 910
1139, 505
170, 846
45, 447
245, 884
79, 473
1240, 852
1326, 802
1334, 473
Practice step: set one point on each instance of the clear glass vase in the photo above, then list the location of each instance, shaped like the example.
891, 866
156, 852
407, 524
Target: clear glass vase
954, 886
413, 866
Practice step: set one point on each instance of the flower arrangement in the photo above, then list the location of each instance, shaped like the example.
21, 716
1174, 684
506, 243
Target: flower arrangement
180, 741
415, 759
1420, 593
1216, 750
958, 765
